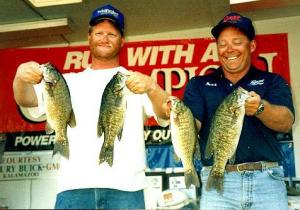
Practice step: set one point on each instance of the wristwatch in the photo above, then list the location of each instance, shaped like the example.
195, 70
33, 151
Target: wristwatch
260, 108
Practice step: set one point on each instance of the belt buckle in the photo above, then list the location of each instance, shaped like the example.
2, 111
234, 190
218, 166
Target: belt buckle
238, 165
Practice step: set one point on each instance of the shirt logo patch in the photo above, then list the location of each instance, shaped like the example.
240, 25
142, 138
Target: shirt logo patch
211, 84
257, 82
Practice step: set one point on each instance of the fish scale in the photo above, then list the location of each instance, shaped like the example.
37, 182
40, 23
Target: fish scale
111, 116
224, 136
184, 139
58, 107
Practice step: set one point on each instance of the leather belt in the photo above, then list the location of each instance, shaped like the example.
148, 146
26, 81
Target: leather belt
251, 166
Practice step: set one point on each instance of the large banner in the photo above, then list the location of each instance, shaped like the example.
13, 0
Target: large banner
171, 63
37, 165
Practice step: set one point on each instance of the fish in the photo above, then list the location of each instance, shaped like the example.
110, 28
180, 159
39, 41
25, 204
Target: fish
224, 136
111, 116
58, 108
184, 137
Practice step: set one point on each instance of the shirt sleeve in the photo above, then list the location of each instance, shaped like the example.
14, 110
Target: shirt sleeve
279, 93
149, 112
40, 109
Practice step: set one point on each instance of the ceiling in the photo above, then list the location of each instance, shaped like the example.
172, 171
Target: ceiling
141, 16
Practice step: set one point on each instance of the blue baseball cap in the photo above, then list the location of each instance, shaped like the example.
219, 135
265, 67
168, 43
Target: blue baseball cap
110, 13
235, 20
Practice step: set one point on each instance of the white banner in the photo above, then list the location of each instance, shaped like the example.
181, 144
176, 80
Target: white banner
28, 165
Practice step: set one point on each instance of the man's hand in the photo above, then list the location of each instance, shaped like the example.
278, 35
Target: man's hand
252, 104
29, 73
139, 83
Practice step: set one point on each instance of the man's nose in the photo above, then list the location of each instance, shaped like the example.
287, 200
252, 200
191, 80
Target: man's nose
229, 48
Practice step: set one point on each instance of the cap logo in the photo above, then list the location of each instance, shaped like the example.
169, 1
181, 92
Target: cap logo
108, 12
234, 18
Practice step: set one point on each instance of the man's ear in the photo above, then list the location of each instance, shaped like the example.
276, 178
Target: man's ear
253, 45
122, 41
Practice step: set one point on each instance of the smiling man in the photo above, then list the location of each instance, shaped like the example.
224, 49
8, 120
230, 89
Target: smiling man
84, 182
254, 181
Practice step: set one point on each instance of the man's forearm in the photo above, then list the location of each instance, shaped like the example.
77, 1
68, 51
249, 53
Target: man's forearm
278, 118
158, 98
24, 93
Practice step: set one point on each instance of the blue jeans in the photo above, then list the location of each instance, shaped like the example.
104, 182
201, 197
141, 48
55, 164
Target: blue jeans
249, 190
100, 199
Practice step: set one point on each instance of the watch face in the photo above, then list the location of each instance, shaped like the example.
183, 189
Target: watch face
260, 109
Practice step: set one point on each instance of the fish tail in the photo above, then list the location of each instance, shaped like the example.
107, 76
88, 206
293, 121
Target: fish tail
215, 180
191, 177
106, 155
61, 147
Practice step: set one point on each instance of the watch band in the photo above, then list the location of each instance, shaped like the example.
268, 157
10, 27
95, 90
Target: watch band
260, 108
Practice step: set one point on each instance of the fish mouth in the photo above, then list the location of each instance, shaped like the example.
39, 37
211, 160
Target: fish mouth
123, 74
119, 89
121, 84
172, 101
43, 68
49, 80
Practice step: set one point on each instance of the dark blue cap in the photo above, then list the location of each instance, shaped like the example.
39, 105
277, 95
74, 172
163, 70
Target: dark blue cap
108, 12
235, 20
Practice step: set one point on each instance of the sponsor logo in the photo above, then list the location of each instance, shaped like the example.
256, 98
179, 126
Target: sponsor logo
43, 140
29, 141
257, 82
211, 84
234, 18
108, 12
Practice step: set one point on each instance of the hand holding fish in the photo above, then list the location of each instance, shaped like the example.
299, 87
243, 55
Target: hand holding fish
29, 72
168, 104
27, 75
139, 83
252, 103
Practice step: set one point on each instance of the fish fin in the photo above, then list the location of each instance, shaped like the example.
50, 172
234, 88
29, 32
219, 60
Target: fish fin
120, 134
121, 129
191, 177
176, 157
197, 151
61, 147
99, 129
50, 92
48, 129
209, 149
118, 101
72, 120
215, 181
106, 155
232, 159
176, 120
